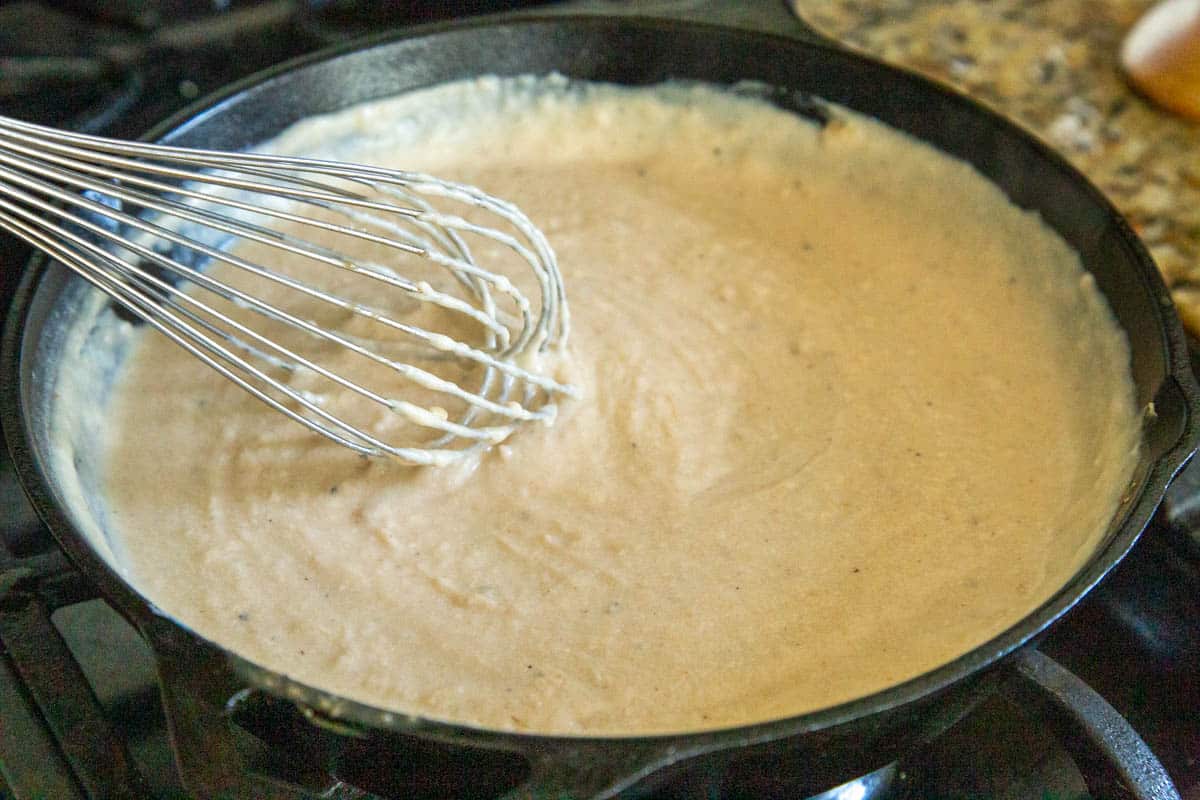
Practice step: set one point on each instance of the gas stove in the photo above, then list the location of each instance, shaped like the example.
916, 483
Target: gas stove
84, 714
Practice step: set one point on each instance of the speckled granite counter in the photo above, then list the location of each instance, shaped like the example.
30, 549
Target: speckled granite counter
1052, 66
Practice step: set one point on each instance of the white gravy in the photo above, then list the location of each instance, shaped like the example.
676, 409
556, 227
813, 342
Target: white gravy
846, 413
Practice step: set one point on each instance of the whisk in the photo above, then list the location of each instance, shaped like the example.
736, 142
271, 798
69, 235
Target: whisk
145, 224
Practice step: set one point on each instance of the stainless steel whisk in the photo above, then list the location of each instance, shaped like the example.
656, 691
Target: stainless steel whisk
134, 219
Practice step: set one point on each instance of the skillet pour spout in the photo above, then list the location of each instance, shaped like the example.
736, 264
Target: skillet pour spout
205, 685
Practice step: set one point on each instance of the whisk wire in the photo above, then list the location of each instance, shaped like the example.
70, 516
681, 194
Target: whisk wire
86, 183
283, 168
460, 266
434, 223
422, 377
180, 333
184, 334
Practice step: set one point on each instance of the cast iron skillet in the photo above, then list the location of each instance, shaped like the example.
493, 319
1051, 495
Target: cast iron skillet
830, 745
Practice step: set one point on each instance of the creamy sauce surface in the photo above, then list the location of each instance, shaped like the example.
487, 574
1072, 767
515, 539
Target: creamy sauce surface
846, 413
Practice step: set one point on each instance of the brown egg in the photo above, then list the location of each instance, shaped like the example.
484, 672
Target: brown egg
1161, 56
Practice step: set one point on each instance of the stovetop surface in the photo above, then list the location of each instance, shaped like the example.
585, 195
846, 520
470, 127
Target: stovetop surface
120, 67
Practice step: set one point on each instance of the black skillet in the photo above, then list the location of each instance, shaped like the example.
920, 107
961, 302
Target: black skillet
824, 747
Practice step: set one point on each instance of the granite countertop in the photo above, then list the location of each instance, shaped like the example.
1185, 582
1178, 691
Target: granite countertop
1052, 66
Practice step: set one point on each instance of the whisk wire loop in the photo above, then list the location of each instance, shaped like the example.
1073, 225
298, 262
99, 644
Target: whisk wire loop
146, 223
